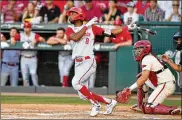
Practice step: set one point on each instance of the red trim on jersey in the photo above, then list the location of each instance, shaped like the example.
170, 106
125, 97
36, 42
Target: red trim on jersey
37, 37
159, 92
97, 30
87, 71
68, 32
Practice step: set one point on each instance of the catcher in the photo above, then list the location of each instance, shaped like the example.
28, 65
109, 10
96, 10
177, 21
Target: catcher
155, 75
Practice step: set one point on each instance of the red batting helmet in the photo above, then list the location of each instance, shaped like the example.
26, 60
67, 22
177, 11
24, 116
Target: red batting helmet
118, 22
142, 48
27, 25
79, 11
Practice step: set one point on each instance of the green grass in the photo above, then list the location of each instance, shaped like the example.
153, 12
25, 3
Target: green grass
6, 99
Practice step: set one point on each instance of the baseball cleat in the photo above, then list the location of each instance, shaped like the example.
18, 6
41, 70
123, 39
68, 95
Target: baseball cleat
177, 111
95, 110
110, 107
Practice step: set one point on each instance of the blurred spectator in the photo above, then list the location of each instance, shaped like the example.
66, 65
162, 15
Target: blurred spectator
91, 10
50, 12
63, 17
10, 61
29, 58
3, 38
124, 38
60, 3
29, 12
130, 17
78, 3
65, 61
122, 5
154, 12
166, 7
112, 13
102, 4
141, 6
12, 11
175, 15
38, 5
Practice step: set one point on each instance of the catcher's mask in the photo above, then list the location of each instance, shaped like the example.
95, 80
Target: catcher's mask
177, 40
75, 14
141, 48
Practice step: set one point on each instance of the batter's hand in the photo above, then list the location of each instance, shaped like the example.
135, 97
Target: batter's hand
165, 58
92, 21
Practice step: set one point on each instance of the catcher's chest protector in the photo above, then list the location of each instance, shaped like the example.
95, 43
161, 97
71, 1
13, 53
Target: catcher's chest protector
153, 78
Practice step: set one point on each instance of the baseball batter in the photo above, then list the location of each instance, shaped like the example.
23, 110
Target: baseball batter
155, 75
65, 61
178, 66
82, 37
29, 58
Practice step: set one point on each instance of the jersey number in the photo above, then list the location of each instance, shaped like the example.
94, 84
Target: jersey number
87, 41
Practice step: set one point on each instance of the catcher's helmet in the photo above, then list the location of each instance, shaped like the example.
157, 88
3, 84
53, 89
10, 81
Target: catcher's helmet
80, 14
177, 42
142, 48
27, 25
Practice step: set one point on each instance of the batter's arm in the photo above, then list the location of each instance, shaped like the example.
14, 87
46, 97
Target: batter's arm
78, 35
112, 32
119, 30
176, 67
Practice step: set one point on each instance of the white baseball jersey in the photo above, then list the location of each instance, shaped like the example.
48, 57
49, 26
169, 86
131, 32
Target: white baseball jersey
151, 63
25, 38
84, 47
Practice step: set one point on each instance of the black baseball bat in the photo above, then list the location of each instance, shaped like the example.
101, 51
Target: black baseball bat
149, 31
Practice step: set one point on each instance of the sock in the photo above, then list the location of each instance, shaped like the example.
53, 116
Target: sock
101, 99
65, 81
84, 90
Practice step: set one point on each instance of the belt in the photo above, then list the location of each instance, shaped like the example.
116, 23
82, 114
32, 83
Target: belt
80, 59
10, 64
161, 70
28, 56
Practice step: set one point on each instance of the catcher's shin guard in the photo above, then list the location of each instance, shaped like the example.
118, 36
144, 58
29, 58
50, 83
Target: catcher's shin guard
159, 109
142, 95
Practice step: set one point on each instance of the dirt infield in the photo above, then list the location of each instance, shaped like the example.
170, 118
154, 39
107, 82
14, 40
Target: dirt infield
57, 111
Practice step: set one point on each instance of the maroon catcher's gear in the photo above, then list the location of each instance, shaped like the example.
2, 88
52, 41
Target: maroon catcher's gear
80, 14
159, 109
124, 96
147, 48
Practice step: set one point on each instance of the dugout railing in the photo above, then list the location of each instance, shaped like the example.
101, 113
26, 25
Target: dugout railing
120, 70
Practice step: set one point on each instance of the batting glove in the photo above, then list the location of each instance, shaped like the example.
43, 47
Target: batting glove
92, 21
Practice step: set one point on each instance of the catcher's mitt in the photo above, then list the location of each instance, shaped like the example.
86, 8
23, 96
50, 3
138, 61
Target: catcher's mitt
124, 96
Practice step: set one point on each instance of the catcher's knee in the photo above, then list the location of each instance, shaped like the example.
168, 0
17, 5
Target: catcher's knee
75, 83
